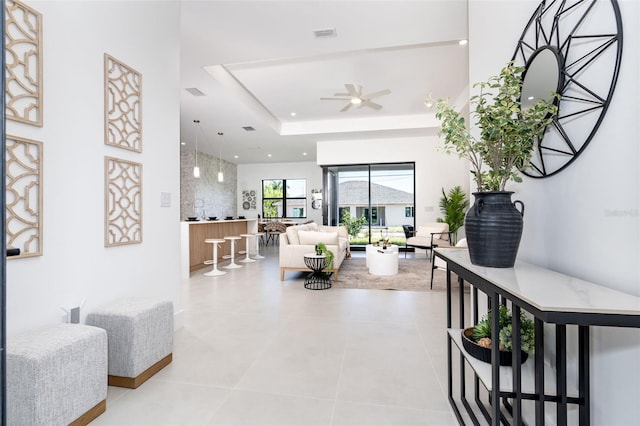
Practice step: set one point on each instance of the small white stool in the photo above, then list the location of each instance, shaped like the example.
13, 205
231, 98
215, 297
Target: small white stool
215, 271
247, 259
257, 255
232, 265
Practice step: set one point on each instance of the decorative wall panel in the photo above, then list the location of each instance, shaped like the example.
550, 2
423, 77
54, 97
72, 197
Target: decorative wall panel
249, 199
123, 202
24, 196
23, 69
122, 105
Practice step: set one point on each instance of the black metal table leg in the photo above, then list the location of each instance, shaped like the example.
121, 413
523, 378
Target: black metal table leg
561, 374
584, 378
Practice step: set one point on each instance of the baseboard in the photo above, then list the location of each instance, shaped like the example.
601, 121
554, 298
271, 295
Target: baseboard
134, 382
91, 414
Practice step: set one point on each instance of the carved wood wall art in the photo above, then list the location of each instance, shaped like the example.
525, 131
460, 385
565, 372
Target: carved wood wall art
122, 105
123, 202
24, 196
23, 68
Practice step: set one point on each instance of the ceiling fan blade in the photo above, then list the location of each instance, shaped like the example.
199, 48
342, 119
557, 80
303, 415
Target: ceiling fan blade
347, 107
370, 104
340, 94
377, 94
353, 92
335, 99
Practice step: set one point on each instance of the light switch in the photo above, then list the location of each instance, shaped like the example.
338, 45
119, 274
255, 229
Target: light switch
165, 199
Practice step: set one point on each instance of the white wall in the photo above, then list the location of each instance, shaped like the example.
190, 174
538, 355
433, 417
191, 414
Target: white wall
570, 224
250, 177
75, 264
433, 170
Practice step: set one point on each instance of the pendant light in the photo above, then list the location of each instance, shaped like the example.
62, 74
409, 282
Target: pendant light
220, 175
196, 169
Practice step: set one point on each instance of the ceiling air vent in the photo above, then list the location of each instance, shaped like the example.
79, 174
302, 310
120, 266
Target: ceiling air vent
195, 91
249, 128
331, 32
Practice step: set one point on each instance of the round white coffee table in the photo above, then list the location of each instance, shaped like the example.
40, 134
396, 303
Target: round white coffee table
382, 261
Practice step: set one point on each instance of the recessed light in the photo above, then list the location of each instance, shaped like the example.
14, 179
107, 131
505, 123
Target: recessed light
183, 143
293, 114
531, 98
463, 42
268, 155
235, 156
304, 153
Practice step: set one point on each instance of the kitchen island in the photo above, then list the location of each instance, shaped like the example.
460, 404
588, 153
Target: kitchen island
194, 251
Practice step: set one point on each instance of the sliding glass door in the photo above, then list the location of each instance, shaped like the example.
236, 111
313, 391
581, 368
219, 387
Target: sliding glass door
379, 197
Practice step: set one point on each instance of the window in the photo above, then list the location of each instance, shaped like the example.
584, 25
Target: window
284, 198
383, 193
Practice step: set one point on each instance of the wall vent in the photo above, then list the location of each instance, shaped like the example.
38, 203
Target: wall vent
195, 91
249, 128
330, 32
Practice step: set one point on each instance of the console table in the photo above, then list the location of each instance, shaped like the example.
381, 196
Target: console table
551, 298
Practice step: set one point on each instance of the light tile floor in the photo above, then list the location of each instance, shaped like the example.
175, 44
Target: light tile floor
257, 351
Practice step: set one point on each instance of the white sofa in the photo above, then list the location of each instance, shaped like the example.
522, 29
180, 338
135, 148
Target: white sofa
299, 240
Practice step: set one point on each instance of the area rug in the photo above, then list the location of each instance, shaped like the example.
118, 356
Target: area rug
413, 274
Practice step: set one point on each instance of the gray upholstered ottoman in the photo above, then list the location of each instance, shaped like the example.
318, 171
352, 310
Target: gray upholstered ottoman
57, 375
140, 333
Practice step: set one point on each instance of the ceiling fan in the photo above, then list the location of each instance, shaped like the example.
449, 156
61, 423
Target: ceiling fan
355, 97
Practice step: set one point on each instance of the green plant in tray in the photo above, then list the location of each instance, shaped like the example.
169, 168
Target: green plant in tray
482, 331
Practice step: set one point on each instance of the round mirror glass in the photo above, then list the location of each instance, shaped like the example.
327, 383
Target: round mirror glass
541, 77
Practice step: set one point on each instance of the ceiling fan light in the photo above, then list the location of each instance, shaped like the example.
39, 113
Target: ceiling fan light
356, 101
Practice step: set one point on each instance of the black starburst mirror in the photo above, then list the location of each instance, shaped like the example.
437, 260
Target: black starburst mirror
573, 48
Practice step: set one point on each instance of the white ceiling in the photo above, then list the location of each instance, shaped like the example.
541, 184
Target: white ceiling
258, 61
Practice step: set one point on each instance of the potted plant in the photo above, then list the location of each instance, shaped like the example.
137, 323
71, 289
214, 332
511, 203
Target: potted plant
506, 142
477, 340
453, 207
321, 248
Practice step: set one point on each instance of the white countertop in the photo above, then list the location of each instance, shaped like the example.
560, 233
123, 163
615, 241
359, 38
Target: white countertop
200, 222
550, 291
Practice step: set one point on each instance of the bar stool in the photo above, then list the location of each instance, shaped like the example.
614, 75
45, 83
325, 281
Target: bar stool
257, 255
247, 259
232, 265
215, 271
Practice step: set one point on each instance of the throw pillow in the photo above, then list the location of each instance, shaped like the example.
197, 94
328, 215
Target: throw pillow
292, 235
292, 231
314, 237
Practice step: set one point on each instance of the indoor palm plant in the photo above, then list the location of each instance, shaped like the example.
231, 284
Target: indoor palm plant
453, 206
507, 136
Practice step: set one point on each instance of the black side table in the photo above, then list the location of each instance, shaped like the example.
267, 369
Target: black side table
317, 279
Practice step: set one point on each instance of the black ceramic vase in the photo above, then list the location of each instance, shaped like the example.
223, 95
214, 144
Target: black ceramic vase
493, 226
